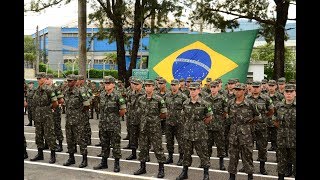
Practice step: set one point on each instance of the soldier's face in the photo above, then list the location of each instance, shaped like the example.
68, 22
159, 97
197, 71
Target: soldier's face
272, 87
214, 89
108, 86
182, 84
149, 88
41, 81
239, 92
137, 87
281, 86
194, 92
289, 95
174, 87
71, 83
231, 86
256, 89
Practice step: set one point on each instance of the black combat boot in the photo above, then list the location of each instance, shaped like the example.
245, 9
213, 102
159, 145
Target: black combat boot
184, 173
127, 137
128, 146
116, 167
133, 155
91, 115
280, 176
148, 157
59, 147
288, 172
99, 155
273, 146
75, 148
232, 176
70, 161
29, 124
142, 169
250, 177
206, 173
97, 115
84, 162
179, 163
262, 168
161, 171
39, 156
46, 145
103, 164
221, 163
25, 153
52, 157
170, 158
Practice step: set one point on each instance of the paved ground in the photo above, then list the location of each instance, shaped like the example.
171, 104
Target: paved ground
39, 170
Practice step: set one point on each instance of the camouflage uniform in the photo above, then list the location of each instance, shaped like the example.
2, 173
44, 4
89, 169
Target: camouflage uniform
195, 130
95, 100
184, 90
128, 115
240, 134
174, 121
30, 107
227, 122
162, 94
286, 137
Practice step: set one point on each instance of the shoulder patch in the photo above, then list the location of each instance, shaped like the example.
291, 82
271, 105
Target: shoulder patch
83, 94
209, 109
121, 100
52, 94
162, 101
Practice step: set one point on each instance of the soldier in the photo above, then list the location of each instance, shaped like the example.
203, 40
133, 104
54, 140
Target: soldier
151, 108
197, 114
182, 86
281, 84
221, 90
57, 113
25, 142
45, 101
207, 87
248, 87
95, 100
29, 98
77, 102
162, 92
242, 113
113, 106
275, 97
227, 123
292, 81
174, 122
129, 91
264, 86
285, 121
215, 128
188, 81
266, 108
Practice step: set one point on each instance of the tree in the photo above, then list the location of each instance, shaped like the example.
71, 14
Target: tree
225, 15
266, 53
29, 49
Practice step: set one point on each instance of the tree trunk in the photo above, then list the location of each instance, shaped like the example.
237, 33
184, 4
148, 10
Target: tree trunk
121, 59
82, 24
279, 49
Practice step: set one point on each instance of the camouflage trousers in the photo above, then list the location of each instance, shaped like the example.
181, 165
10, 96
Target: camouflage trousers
272, 135
261, 136
216, 137
171, 132
151, 134
87, 128
30, 113
246, 156
44, 128
25, 142
75, 134
134, 135
113, 138
57, 124
201, 147
94, 107
226, 137
285, 156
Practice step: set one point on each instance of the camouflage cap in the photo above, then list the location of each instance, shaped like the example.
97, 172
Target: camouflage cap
290, 87
71, 77
237, 80
137, 81
231, 81
149, 81
256, 83
181, 80
240, 86
119, 81
272, 82
219, 80
41, 75
162, 81
158, 78
131, 79
30, 82
49, 76
282, 80
249, 81
264, 81
209, 79
194, 85
109, 79
214, 83
292, 81
174, 81
199, 81
189, 79
80, 77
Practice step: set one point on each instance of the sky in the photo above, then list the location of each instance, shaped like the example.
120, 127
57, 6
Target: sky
60, 16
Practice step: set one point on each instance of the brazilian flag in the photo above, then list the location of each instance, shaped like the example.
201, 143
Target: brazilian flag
218, 55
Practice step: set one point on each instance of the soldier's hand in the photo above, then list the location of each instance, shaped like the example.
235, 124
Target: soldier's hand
163, 115
25, 104
207, 120
85, 108
276, 123
122, 112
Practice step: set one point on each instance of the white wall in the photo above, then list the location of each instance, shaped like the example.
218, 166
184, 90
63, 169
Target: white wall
258, 70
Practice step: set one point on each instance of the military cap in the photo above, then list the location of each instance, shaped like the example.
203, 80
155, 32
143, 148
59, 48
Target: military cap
149, 81
194, 85
71, 77
208, 79
231, 81
174, 81
80, 77
272, 82
199, 81
237, 80
41, 75
249, 81
264, 81
214, 83
256, 83
281, 80
49, 76
290, 87
240, 86
292, 81
162, 81
119, 81
109, 79
137, 81
132, 78
158, 78
30, 82
189, 79
181, 80
219, 80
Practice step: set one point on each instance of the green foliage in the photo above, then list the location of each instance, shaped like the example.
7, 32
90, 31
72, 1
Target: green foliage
29, 49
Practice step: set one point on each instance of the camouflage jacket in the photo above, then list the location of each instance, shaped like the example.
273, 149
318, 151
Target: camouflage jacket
174, 103
150, 109
185, 91
241, 115
219, 106
160, 94
194, 113
29, 97
133, 106
276, 98
42, 102
286, 133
